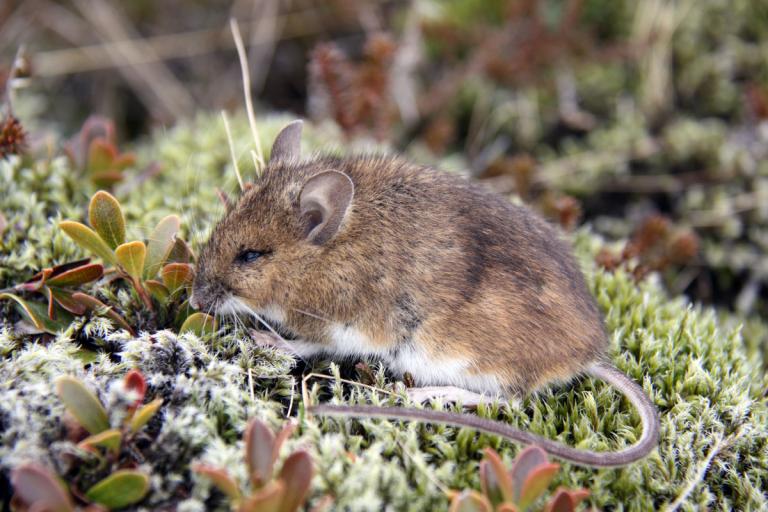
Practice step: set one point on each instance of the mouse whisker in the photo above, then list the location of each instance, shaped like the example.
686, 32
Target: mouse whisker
313, 315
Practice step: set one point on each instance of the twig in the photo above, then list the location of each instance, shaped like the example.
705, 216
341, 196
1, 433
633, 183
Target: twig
701, 472
246, 85
424, 470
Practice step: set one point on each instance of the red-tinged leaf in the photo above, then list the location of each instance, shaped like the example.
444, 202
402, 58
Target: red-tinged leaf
106, 217
270, 498
123, 161
177, 275
259, 444
98, 307
566, 500
220, 479
180, 252
39, 489
160, 244
65, 300
526, 461
135, 381
489, 484
144, 414
37, 314
76, 276
51, 303
36, 282
157, 290
101, 154
296, 474
199, 324
122, 488
470, 501
495, 477
506, 507
89, 240
536, 483
131, 258
280, 438
82, 404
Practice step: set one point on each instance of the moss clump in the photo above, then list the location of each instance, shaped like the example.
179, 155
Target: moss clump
704, 372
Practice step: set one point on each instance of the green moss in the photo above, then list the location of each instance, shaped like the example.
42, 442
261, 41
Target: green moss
703, 370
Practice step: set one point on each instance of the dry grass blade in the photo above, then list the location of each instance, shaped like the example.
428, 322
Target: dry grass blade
247, 87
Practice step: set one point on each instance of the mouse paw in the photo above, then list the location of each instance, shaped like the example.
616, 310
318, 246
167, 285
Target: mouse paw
448, 394
267, 339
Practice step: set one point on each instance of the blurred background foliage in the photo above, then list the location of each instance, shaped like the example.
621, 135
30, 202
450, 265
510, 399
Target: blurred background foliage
647, 120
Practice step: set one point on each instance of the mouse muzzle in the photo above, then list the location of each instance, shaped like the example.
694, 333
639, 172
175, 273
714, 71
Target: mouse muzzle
208, 296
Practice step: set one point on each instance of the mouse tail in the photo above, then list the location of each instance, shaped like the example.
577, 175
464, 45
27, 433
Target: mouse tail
605, 372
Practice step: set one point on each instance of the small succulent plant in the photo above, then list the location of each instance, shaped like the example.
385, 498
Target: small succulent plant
285, 493
59, 284
160, 269
94, 151
38, 488
519, 488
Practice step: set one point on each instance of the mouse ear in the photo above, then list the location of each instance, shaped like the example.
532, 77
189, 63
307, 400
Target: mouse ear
287, 145
324, 200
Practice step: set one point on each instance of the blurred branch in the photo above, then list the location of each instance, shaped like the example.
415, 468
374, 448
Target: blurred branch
152, 78
172, 46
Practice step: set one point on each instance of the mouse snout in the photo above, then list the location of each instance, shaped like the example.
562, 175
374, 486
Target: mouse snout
208, 296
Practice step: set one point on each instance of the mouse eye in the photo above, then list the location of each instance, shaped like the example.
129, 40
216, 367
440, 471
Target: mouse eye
249, 256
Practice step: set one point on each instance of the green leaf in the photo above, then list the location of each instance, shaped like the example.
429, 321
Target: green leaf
145, 413
220, 478
177, 275
82, 404
98, 307
77, 276
199, 323
106, 217
494, 478
161, 242
470, 501
259, 446
37, 314
120, 489
131, 258
296, 474
269, 498
536, 483
157, 290
88, 239
39, 489
109, 440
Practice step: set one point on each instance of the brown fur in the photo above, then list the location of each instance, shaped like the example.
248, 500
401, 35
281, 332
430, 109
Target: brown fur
422, 257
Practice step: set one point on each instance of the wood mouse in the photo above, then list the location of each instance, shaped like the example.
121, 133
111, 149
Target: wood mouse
374, 256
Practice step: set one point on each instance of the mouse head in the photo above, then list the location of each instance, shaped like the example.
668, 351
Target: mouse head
273, 238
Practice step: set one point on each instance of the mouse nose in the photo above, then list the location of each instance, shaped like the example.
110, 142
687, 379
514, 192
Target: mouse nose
193, 301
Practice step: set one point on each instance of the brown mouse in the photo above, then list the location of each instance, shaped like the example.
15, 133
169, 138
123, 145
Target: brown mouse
375, 256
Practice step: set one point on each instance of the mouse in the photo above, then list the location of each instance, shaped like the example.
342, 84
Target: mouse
375, 256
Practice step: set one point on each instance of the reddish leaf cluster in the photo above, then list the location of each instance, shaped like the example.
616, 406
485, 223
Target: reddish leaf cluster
356, 95
94, 150
13, 138
655, 245
519, 488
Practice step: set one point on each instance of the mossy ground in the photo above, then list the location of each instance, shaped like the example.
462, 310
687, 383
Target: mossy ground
704, 371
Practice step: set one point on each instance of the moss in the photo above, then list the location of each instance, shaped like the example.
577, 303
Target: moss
704, 371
